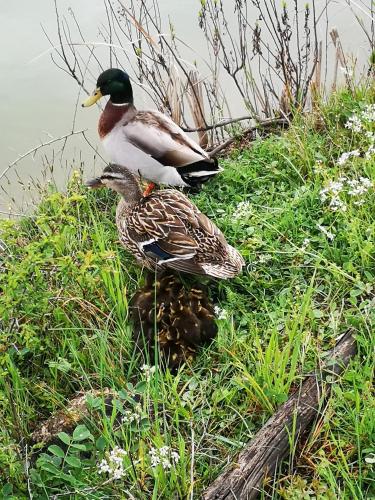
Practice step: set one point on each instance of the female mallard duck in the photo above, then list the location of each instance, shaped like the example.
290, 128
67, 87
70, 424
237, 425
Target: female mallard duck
166, 230
148, 143
183, 319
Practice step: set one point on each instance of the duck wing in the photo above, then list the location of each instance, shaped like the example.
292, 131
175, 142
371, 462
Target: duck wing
161, 227
159, 231
167, 230
158, 136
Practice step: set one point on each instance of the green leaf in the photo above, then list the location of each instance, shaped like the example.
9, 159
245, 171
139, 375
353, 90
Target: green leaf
62, 365
140, 387
56, 450
35, 477
125, 395
81, 432
317, 313
7, 490
144, 424
94, 402
51, 459
64, 437
50, 468
101, 443
77, 446
73, 461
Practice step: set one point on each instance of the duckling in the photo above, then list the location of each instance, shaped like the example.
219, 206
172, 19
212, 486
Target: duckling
166, 230
182, 318
148, 143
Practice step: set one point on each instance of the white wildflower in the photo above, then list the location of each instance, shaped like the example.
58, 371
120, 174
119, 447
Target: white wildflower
331, 192
366, 181
349, 72
351, 187
318, 167
370, 152
359, 187
305, 244
164, 456
113, 464
103, 466
369, 307
354, 123
345, 156
299, 192
264, 257
220, 313
242, 211
148, 371
336, 204
326, 232
129, 417
368, 114
359, 202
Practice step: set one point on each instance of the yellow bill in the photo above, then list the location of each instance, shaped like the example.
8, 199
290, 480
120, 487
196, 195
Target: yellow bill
92, 99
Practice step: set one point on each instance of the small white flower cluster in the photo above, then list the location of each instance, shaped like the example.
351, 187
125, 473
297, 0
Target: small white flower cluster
353, 187
368, 114
220, 313
243, 210
358, 188
129, 417
318, 167
349, 72
305, 244
264, 257
148, 371
326, 232
345, 156
299, 192
354, 123
164, 456
332, 193
113, 464
370, 151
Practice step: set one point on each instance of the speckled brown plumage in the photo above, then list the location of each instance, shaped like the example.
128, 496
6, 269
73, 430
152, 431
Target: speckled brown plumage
166, 230
182, 318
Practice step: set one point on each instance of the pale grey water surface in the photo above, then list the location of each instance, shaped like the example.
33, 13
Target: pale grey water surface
38, 101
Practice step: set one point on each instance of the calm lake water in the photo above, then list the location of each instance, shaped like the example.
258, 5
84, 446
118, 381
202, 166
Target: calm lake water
38, 101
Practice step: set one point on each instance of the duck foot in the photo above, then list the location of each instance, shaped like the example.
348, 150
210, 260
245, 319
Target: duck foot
150, 187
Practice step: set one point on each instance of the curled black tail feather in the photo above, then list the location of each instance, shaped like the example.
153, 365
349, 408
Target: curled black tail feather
183, 318
191, 173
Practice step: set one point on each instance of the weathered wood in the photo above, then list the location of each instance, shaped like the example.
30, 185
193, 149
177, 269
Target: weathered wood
66, 419
261, 457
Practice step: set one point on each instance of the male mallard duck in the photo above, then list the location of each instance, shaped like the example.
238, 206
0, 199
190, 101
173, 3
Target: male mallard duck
166, 230
148, 143
183, 319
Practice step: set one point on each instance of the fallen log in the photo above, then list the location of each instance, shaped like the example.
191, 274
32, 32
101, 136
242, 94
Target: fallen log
66, 419
264, 454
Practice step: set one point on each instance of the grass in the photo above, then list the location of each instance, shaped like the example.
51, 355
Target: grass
66, 283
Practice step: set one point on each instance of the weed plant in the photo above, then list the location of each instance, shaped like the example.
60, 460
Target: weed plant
302, 214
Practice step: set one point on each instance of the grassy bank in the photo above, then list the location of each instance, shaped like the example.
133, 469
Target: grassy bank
303, 217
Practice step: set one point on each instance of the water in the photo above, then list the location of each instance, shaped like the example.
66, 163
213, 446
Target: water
38, 101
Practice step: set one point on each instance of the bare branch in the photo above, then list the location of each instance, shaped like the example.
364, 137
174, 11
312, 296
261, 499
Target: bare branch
36, 148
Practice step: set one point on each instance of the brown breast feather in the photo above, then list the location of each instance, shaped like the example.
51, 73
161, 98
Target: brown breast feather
112, 115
